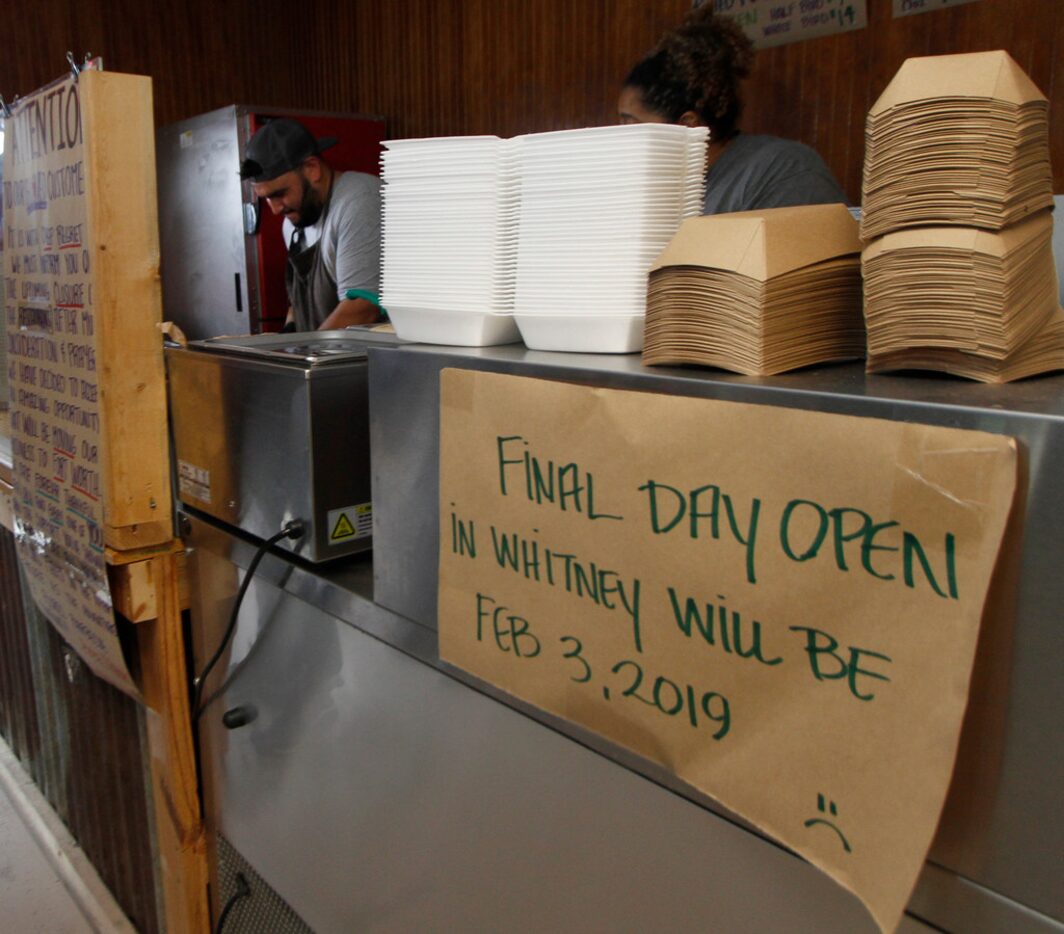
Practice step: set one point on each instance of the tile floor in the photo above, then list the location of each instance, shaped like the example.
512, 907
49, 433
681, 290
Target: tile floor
34, 899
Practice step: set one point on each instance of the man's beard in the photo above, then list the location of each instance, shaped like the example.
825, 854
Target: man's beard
310, 207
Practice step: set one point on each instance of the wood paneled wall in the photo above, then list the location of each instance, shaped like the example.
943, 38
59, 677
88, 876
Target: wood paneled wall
201, 54
820, 91
436, 67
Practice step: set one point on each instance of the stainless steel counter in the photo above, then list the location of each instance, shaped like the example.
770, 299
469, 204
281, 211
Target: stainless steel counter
1002, 833
404, 387
377, 790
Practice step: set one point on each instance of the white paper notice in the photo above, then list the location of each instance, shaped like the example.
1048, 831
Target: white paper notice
909, 7
52, 361
777, 22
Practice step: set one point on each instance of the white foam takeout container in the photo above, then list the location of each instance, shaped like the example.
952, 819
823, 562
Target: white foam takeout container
455, 328
582, 333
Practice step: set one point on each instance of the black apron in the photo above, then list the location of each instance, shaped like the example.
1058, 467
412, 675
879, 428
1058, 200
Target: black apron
311, 290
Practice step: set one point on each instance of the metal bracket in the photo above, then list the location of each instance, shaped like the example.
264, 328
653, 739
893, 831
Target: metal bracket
71, 664
88, 64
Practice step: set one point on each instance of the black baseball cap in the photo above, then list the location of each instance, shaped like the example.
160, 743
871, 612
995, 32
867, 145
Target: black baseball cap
278, 147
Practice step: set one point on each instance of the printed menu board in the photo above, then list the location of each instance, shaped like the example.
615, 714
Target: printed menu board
53, 361
909, 7
777, 22
780, 606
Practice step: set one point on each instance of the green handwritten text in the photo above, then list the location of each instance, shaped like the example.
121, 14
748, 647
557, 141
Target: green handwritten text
529, 558
719, 626
669, 506
856, 538
827, 665
566, 486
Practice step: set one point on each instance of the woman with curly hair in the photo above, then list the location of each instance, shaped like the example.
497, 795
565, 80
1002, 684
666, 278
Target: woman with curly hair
692, 77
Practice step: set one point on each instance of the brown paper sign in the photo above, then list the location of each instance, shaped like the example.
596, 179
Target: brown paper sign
780, 606
52, 357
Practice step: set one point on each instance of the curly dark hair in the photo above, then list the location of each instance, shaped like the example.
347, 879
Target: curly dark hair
697, 66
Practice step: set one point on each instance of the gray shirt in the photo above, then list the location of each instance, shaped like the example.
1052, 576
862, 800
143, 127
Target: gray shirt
756, 172
350, 233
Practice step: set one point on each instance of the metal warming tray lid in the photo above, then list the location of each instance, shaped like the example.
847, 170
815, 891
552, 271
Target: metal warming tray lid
315, 349
273, 427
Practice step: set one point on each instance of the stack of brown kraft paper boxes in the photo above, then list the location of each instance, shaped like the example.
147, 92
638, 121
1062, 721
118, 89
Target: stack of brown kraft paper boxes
957, 196
758, 292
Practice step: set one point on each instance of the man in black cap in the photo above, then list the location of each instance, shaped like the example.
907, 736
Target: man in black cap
331, 225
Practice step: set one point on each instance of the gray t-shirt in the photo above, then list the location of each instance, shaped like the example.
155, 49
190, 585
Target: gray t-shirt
350, 234
756, 172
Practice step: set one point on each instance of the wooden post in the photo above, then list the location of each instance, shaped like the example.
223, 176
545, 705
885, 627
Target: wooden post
105, 395
120, 157
123, 220
178, 820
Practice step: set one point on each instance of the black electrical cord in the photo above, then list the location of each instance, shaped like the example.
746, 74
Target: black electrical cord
242, 891
292, 529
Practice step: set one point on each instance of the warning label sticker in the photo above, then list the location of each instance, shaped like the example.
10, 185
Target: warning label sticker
350, 522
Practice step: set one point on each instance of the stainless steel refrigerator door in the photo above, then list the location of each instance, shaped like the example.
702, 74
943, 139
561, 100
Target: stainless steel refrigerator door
204, 262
